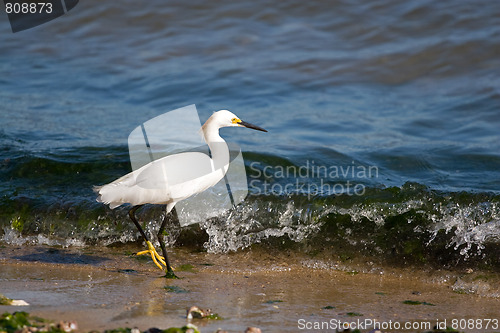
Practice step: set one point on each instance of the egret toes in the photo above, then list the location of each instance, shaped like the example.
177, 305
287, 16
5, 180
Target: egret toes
157, 259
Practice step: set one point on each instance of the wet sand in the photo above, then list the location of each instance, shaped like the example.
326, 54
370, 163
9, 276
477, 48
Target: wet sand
106, 288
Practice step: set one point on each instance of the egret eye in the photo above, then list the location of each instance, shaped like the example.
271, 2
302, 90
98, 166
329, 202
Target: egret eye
235, 120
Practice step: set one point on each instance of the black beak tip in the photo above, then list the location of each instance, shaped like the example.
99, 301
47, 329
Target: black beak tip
248, 125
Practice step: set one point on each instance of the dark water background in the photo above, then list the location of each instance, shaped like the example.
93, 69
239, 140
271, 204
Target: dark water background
407, 90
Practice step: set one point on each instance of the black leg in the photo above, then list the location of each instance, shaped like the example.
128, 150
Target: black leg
131, 214
170, 272
151, 250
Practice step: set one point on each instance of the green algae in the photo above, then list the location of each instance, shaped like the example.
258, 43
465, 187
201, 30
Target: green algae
214, 316
354, 314
23, 321
185, 268
175, 290
14, 322
119, 330
182, 329
170, 275
5, 300
17, 224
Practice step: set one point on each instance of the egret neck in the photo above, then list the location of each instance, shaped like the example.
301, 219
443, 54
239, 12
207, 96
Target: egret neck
217, 145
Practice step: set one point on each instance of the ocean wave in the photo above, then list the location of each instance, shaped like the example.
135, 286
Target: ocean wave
407, 224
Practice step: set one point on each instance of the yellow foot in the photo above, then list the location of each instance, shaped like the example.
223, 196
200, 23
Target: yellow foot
157, 259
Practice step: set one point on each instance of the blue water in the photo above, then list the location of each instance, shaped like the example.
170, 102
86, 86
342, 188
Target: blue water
410, 89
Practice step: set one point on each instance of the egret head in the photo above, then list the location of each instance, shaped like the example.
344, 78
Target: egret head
225, 118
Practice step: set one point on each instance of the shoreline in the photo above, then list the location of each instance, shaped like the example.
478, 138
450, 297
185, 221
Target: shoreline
109, 288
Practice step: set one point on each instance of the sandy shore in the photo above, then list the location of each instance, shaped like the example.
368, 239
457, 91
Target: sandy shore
106, 288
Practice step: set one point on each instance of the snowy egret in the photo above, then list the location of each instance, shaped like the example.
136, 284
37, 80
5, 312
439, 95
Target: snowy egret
173, 178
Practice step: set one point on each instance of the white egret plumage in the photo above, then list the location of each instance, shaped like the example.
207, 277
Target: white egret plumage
173, 178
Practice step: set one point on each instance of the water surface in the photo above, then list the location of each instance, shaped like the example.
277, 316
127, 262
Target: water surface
410, 90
